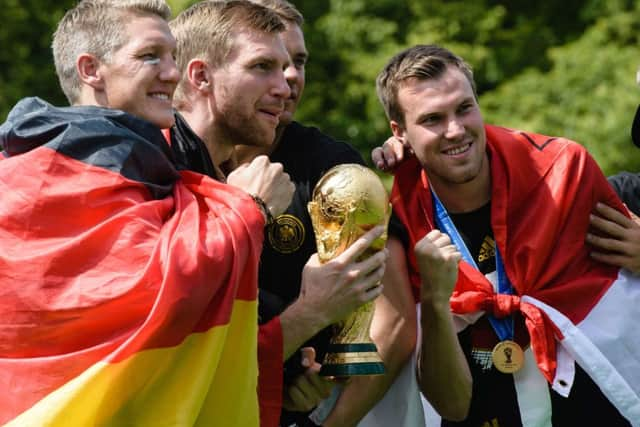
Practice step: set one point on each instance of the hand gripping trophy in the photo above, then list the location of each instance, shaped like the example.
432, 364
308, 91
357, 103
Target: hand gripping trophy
348, 201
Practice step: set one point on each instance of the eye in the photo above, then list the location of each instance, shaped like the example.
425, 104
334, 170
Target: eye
430, 120
467, 106
262, 66
150, 58
300, 62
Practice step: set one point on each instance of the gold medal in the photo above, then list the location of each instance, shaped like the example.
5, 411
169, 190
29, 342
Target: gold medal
507, 357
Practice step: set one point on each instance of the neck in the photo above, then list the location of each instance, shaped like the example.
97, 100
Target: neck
246, 153
89, 96
201, 122
468, 196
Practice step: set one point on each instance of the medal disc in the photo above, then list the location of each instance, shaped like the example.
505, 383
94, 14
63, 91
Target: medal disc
507, 357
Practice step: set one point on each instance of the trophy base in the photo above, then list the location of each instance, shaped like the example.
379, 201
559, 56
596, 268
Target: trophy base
345, 360
352, 369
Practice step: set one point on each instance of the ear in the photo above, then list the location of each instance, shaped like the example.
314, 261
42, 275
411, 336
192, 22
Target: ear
88, 69
398, 131
199, 75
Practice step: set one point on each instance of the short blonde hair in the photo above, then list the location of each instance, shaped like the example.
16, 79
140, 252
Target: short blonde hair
422, 62
206, 30
96, 27
285, 10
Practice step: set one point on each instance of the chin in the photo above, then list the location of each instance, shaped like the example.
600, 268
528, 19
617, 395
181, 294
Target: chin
163, 121
285, 119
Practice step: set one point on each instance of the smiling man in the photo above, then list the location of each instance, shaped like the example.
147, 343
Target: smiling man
129, 285
514, 206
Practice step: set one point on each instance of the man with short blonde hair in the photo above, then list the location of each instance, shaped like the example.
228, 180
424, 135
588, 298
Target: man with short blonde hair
131, 297
207, 31
96, 27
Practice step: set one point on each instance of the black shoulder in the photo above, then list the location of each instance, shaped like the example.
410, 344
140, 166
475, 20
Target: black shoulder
627, 185
318, 145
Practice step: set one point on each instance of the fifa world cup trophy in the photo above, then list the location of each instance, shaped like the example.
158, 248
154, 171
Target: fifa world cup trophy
348, 201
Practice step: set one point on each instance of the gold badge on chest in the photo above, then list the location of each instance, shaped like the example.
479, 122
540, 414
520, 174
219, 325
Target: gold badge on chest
286, 234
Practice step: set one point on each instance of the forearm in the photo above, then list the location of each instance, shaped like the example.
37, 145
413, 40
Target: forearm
393, 330
443, 372
362, 393
299, 323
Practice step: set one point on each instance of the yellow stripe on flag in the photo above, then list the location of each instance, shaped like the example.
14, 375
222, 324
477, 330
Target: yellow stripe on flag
210, 379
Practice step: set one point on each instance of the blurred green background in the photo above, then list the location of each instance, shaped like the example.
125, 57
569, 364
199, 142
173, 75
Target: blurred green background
562, 68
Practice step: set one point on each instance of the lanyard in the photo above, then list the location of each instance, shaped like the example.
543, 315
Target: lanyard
503, 327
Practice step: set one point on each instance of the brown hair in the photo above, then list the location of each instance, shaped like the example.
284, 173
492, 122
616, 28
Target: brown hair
422, 62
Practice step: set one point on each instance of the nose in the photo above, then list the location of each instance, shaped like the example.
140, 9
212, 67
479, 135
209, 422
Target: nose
455, 128
281, 87
291, 74
170, 72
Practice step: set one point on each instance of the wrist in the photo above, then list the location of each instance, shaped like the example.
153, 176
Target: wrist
266, 213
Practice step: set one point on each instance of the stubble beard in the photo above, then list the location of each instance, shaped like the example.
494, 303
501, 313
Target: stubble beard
245, 131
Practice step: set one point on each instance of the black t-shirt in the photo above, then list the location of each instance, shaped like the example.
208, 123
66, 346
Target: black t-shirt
494, 400
627, 185
306, 155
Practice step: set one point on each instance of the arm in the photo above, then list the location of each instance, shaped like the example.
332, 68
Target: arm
443, 373
393, 330
619, 242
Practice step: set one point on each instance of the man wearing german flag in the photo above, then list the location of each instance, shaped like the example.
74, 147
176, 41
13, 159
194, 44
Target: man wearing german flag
520, 325
128, 286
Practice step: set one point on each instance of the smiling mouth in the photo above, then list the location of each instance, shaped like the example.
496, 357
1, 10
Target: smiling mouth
453, 151
160, 96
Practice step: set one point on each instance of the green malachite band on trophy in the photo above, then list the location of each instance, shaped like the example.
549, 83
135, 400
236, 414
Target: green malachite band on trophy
351, 348
347, 369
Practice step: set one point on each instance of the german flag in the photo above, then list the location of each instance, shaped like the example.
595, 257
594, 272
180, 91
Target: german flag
127, 288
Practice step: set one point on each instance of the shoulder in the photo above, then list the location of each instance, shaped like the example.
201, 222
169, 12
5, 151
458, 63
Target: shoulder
312, 139
627, 186
104, 138
500, 136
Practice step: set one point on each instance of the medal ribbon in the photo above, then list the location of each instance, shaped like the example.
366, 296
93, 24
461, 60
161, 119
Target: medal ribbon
502, 327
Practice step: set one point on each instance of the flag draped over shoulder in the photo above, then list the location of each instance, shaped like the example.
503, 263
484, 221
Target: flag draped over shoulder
127, 288
542, 191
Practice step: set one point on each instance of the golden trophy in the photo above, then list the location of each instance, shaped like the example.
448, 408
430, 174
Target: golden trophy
348, 201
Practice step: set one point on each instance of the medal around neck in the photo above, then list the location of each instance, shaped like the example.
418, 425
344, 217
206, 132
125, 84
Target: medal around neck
348, 201
507, 357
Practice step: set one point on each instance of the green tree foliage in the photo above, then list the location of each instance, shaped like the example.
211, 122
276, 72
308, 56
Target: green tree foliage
558, 67
505, 42
589, 94
26, 64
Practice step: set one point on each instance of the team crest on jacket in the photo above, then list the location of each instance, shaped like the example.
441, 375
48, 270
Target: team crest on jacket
286, 234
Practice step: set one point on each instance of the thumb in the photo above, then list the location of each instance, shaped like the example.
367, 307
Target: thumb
308, 356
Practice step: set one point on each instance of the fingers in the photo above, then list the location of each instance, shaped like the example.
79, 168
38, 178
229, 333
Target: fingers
618, 260
306, 391
437, 244
610, 221
388, 155
308, 356
358, 247
605, 243
377, 157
